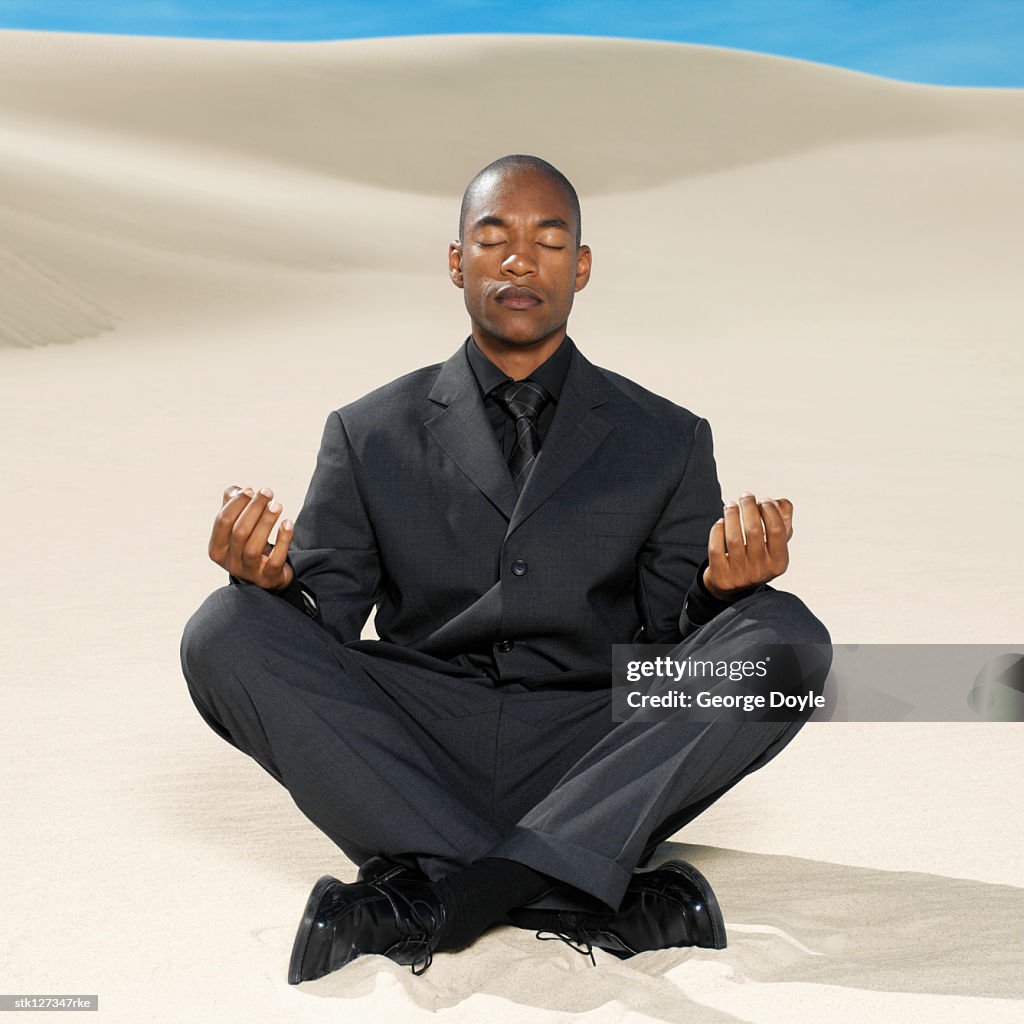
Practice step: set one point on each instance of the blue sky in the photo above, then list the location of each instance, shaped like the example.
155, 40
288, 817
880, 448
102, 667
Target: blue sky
945, 42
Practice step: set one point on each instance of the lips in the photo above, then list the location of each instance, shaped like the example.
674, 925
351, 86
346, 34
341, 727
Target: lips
518, 298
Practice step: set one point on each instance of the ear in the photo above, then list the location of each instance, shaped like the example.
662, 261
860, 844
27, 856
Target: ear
455, 263
583, 264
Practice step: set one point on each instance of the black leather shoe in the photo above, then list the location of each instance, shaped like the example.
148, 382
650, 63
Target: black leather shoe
400, 919
381, 869
670, 905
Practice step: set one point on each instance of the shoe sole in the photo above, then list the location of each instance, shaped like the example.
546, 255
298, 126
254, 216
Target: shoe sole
689, 872
301, 943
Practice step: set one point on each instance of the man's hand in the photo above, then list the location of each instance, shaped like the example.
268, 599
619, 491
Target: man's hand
239, 539
734, 563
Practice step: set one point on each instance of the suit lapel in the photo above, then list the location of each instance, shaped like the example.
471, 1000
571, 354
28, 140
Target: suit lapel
463, 430
574, 435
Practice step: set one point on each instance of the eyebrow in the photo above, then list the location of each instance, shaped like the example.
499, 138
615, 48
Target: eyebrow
548, 222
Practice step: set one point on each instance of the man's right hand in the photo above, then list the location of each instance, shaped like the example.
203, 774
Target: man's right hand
239, 542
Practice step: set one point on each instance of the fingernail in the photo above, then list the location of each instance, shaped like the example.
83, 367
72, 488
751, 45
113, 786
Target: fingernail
274, 506
286, 524
746, 494
730, 504
266, 491
248, 490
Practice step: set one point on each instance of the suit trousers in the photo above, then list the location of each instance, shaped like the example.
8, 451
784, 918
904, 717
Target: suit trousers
390, 751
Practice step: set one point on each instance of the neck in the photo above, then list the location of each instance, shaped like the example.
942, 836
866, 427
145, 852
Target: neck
519, 361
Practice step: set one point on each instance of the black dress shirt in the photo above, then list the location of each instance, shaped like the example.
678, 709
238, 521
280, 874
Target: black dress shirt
700, 605
551, 374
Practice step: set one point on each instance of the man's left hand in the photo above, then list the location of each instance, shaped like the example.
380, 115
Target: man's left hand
735, 561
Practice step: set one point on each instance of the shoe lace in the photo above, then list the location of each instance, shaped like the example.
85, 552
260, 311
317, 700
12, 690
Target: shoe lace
419, 966
425, 927
578, 946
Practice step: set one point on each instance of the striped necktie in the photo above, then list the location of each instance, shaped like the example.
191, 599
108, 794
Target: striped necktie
524, 399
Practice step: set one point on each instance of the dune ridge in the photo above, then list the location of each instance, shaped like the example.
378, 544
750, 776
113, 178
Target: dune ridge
345, 109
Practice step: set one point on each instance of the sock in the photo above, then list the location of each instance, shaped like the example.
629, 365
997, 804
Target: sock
479, 895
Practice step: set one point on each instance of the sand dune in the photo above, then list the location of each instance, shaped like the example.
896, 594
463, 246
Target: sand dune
650, 113
207, 246
316, 157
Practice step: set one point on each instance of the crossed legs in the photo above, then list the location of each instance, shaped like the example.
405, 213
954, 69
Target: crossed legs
440, 769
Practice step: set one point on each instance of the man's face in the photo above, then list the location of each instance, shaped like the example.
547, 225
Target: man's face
518, 262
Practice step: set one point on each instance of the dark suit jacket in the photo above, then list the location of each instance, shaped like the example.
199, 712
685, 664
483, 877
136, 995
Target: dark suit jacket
412, 508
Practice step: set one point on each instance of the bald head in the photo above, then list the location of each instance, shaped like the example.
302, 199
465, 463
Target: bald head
518, 163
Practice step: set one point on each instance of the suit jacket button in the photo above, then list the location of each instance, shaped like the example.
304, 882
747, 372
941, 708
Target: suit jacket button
519, 567
506, 645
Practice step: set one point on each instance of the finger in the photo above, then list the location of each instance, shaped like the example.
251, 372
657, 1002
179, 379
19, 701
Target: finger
241, 532
277, 559
786, 509
256, 545
734, 535
716, 546
753, 527
776, 538
756, 566
220, 535
718, 560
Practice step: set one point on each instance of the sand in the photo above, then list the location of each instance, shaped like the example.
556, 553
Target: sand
207, 246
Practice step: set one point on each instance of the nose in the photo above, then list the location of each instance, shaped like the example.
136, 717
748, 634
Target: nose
518, 263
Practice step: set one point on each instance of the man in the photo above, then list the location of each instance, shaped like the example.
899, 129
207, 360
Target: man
511, 513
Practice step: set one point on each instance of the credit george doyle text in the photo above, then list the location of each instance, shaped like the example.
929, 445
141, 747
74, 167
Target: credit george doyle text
781, 682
